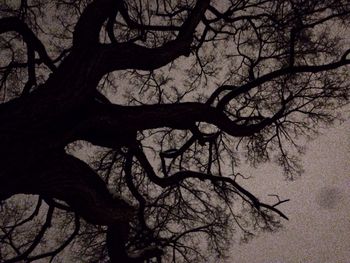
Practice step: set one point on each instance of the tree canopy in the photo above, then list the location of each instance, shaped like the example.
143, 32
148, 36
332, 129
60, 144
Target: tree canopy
124, 124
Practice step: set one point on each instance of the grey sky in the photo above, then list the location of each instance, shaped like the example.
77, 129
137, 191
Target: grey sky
319, 210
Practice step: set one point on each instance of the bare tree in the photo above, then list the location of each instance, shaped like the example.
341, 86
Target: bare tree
173, 95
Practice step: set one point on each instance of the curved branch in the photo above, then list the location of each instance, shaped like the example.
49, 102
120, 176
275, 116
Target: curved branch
15, 24
56, 251
178, 177
69, 179
37, 239
118, 56
87, 29
113, 125
31, 216
135, 25
236, 91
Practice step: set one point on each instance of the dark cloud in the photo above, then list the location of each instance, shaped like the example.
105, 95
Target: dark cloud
329, 197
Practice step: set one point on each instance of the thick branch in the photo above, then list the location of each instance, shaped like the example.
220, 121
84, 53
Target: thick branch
118, 56
89, 25
67, 178
113, 125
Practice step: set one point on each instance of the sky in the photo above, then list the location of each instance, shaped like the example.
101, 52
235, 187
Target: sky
318, 230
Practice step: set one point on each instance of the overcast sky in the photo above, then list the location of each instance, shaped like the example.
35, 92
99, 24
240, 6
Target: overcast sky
319, 227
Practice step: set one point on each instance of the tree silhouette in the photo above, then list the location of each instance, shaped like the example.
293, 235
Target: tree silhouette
170, 96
